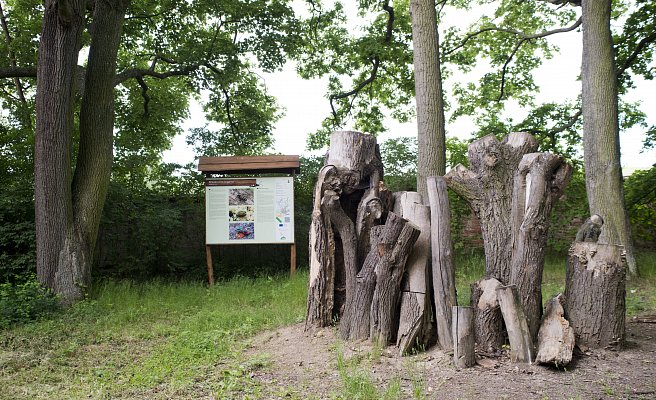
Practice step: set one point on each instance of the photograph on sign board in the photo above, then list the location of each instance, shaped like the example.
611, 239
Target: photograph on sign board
241, 231
241, 213
241, 197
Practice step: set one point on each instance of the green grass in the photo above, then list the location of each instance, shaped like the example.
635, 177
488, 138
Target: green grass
149, 340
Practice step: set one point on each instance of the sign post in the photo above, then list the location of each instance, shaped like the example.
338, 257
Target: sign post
249, 209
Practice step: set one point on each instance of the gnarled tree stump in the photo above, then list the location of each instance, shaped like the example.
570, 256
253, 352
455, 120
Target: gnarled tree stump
487, 186
595, 292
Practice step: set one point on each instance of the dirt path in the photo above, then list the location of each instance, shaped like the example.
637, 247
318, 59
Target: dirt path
304, 365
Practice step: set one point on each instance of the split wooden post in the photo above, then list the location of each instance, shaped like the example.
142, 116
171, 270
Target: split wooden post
415, 314
443, 272
556, 336
521, 344
463, 337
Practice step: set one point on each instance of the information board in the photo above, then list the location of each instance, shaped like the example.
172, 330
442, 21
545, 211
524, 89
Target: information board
249, 210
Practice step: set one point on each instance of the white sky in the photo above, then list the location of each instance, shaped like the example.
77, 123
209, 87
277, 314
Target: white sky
306, 106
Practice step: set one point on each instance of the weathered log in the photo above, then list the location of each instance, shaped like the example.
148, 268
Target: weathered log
487, 186
355, 324
519, 336
321, 284
353, 166
443, 272
389, 271
332, 208
415, 314
488, 321
463, 337
539, 181
556, 336
595, 291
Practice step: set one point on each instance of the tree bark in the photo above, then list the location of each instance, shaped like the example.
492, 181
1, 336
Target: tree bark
539, 181
68, 209
431, 154
556, 336
443, 271
488, 321
389, 271
595, 294
463, 337
58, 52
601, 145
521, 343
415, 314
487, 186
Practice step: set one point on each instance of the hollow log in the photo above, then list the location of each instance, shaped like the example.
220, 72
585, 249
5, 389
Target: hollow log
556, 336
488, 321
463, 337
595, 291
487, 186
389, 271
443, 272
539, 181
519, 336
415, 314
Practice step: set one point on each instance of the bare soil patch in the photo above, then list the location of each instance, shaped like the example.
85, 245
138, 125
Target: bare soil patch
306, 363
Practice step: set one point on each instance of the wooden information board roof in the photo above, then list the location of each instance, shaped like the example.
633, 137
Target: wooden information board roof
249, 164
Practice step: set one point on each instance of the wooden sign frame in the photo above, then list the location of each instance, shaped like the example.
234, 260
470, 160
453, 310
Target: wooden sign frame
248, 166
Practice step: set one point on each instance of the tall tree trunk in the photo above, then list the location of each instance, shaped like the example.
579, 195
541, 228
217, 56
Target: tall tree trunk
69, 210
58, 52
601, 147
431, 155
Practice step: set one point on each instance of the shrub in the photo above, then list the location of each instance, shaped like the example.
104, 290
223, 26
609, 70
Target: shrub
24, 302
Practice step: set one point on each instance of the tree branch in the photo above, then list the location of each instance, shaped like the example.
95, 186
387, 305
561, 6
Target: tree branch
635, 53
525, 38
374, 69
144, 94
233, 126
